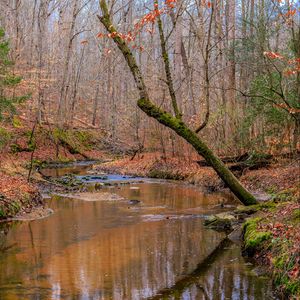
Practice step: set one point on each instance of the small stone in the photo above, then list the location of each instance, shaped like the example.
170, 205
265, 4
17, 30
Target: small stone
134, 202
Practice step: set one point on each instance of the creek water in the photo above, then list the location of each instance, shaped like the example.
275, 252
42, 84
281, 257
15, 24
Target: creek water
152, 248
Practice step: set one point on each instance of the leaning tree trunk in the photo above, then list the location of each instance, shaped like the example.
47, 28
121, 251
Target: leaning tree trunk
176, 124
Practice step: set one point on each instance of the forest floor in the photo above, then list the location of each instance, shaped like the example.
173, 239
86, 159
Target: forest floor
272, 236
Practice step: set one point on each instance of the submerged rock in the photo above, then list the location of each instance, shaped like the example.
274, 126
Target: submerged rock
236, 233
98, 185
99, 177
223, 221
244, 211
69, 180
134, 202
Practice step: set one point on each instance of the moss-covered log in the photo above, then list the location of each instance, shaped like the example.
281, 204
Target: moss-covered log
165, 118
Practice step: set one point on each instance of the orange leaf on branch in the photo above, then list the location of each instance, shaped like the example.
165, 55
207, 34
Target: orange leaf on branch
289, 72
273, 55
149, 18
291, 13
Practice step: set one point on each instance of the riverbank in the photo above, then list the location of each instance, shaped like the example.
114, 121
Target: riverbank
272, 238
17, 196
277, 176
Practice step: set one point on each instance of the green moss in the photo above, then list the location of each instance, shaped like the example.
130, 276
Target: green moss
15, 148
16, 122
283, 263
74, 140
267, 205
220, 222
5, 137
252, 237
296, 215
280, 261
272, 190
288, 285
9, 209
63, 159
284, 196
248, 210
31, 143
155, 173
256, 239
36, 163
251, 209
15, 207
85, 138
2, 213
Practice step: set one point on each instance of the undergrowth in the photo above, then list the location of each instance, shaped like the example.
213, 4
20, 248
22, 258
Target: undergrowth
273, 239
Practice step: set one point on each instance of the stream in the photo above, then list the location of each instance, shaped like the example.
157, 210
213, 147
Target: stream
148, 243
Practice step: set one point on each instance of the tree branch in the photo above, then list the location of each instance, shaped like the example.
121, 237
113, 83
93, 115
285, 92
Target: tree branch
166, 60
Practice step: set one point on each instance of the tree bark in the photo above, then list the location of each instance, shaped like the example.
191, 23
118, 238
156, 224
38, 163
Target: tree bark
166, 60
42, 20
64, 86
206, 72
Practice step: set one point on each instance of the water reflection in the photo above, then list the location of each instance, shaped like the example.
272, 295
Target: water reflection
78, 168
225, 275
109, 250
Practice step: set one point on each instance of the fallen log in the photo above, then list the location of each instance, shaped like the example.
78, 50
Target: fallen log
227, 159
245, 161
